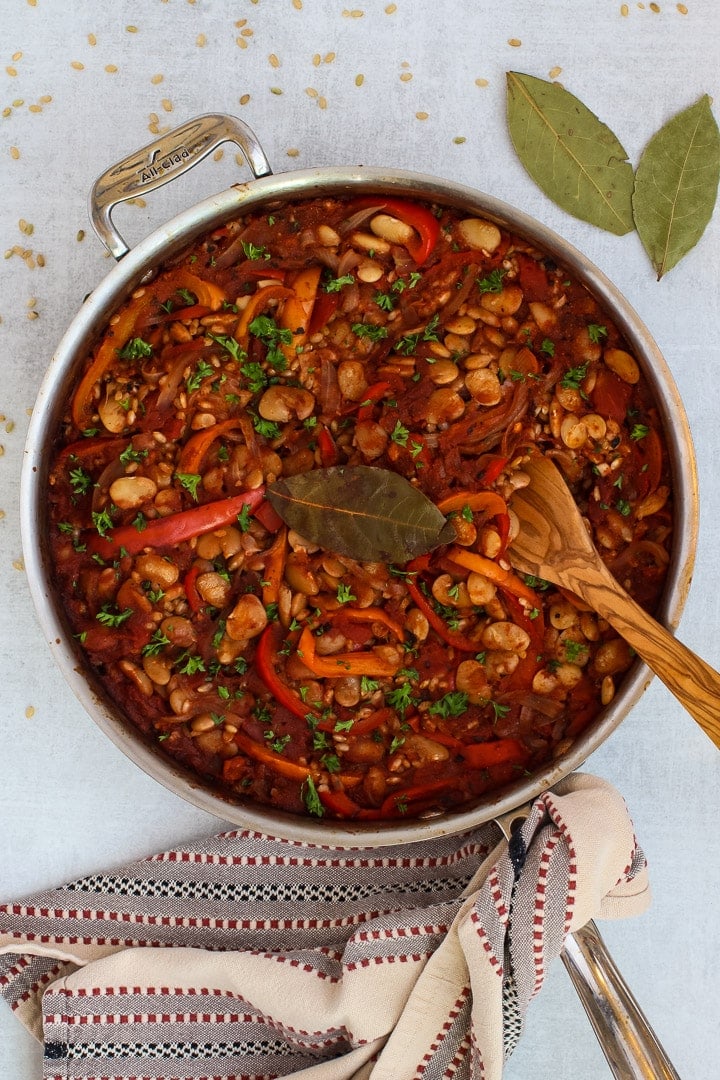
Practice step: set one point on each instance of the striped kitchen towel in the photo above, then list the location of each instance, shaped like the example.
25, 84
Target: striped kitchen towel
249, 957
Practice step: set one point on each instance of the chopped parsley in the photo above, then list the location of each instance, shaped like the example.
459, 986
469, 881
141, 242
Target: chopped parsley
344, 595
102, 521
81, 481
244, 519
266, 330
266, 428
257, 380
188, 664
493, 283
401, 699
191, 483
454, 703
311, 798
574, 650
573, 377
624, 507
112, 618
253, 252
135, 349
231, 346
367, 330
277, 743
202, 371
385, 301
547, 347
639, 431
156, 644
596, 333
129, 454
368, 685
336, 284
399, 434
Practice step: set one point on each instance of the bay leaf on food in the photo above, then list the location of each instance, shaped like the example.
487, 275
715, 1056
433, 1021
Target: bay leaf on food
676, 185
570, 154
372, 515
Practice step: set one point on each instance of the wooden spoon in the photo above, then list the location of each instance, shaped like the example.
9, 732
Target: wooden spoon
553, 543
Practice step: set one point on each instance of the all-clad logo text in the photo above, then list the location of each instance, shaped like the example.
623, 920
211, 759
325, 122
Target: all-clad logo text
156, 168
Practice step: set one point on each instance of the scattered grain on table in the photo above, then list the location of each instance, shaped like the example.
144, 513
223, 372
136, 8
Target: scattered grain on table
77, 65
353, 13
554, 72
274, 60
18, 564
80, 235
201, 41
359, 80
131, 29
624, 10
275, 90
244, 98
515, 42
14, 153
218, 155
459, 140
297, 4
328, 58
167, 104
157, 79
482, 82
29, 712
317, 60
391, 9
293, 152
11, 71
655, 8
682, 9
422, 115
92, 40
10, 427
111, 69
25, 227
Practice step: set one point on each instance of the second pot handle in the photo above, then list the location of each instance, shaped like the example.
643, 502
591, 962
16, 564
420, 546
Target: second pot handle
163, 160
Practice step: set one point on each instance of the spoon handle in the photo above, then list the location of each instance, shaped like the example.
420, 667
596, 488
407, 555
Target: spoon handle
693, 682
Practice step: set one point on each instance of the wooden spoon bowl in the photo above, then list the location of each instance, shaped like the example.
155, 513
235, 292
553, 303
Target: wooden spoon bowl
553, 543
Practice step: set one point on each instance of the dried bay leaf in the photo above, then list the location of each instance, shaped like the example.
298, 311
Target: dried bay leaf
676, 185
570, 154
372, 515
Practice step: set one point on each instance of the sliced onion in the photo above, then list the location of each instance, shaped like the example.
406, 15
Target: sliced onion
359, 218
329, 390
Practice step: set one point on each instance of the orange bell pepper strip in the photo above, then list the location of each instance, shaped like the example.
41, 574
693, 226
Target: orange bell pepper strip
488, 502
392, 806
339, 804
197, 446
480, 564
266, 756
209, 295
496, 752
118, 336
258, 301
207, 292
373, 614
176, 528
297, 310
340, 665
274, 567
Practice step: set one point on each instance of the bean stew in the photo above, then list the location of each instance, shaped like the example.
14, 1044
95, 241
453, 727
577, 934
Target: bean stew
334, 333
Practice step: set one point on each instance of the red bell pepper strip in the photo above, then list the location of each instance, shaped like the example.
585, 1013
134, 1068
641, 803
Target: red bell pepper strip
99, 448
373, 614
328, 450
194, 311
372, 395
441, 628
190, 586
533, 278
610, 395
265, 656
418, 217
339, 804
493, 470
197, 446
325, 307
176, 528
391, 807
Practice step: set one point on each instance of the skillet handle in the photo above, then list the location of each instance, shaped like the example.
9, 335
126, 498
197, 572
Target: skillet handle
162, 161
629, 1043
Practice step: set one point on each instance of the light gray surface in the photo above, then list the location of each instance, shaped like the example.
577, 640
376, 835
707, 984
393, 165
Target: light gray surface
69, 801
